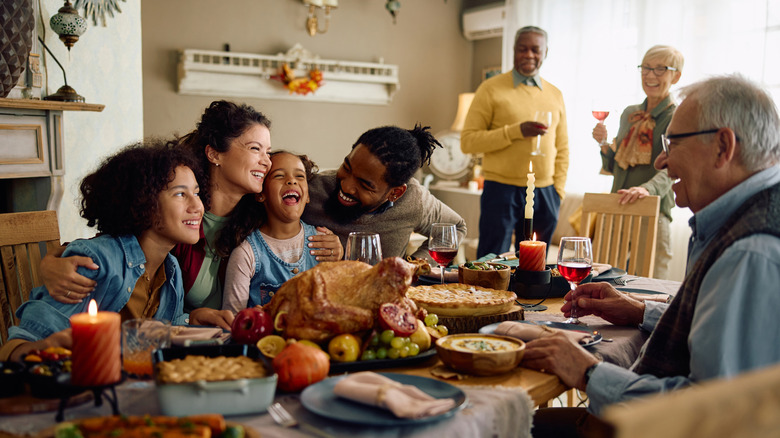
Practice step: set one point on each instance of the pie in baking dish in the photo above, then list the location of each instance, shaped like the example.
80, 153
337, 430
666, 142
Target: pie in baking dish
457, 299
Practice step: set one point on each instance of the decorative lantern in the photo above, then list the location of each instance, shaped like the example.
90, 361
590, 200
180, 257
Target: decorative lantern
68, 24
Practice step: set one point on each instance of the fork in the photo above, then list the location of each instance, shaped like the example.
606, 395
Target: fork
622, 281
283, 418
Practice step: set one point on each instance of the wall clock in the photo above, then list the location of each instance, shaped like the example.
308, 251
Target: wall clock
449, 162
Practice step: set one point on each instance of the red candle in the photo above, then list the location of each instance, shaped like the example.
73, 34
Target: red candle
531, 255
96, 343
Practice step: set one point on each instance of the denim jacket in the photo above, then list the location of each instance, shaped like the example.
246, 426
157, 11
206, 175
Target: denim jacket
121, 262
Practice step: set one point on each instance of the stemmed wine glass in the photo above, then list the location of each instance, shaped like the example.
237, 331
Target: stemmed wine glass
544, 118
575, 260
443, 245
364, 247
601, 116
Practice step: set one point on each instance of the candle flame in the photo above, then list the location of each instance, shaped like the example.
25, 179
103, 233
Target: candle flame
530, 167
92, 309
534, 238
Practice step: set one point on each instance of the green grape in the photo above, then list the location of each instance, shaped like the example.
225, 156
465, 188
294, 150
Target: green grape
431, 319
443, 329
387, 336
368, 355
374, 340
404, 352
407, 341
414, 349
381, 353
397, 343
393, 353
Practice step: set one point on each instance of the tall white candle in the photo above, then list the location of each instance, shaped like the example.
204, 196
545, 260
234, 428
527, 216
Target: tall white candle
529, 192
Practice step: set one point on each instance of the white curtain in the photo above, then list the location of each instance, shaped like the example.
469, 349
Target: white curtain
595, 46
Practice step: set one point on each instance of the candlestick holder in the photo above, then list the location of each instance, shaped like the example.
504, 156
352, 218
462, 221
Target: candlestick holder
99, 392
528, 229
531, 284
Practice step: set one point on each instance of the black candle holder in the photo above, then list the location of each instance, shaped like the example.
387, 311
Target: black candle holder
99, 392
532, 285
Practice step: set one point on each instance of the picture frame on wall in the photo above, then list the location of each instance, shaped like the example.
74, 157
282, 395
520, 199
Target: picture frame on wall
489, 72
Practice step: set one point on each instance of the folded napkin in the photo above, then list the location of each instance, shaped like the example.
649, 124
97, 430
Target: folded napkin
600, 268
405, 401
529, 332
661, 298
185, 336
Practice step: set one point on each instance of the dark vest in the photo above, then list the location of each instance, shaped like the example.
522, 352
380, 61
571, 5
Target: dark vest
666, 353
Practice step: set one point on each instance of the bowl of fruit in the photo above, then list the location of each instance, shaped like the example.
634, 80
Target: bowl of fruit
490, 275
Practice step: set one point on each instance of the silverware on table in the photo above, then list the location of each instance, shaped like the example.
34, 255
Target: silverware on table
283, 418
622, 281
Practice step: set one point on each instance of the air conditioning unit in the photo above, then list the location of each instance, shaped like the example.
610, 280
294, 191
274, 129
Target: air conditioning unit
484, 22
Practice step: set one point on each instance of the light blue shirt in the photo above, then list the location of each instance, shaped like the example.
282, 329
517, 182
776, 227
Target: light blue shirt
531, 81
121, 262
736, 323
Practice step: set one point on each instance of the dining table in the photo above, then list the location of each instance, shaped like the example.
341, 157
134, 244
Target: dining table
500, 405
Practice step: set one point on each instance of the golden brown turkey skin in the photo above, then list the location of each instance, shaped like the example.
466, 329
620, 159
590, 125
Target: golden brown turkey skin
339, 297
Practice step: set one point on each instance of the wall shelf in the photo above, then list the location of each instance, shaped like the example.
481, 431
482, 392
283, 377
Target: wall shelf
215, 73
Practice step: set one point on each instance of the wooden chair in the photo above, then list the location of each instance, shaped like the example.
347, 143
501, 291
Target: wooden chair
618, 231
20, 238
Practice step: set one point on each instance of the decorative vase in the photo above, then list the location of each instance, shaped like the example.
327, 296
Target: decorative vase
16, 38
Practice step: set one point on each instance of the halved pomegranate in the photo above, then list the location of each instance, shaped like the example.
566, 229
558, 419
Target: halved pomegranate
401, 321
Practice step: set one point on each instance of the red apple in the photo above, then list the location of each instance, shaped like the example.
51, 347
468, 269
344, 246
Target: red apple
250, 325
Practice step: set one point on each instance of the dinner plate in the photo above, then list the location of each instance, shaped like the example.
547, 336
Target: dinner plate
376, 364
609, 275
491, 328
320, 399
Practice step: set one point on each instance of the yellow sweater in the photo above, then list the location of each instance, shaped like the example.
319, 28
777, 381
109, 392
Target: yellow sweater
492, 128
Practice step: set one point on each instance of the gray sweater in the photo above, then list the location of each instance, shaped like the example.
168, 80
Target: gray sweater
415, 211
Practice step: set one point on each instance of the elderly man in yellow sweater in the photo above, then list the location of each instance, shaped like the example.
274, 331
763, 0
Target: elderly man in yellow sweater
501, 125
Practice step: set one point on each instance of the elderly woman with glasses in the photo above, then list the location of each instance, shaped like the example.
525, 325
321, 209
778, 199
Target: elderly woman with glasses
630, 156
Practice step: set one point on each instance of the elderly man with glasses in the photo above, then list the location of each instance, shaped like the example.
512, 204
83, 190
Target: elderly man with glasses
722, 148
629, 158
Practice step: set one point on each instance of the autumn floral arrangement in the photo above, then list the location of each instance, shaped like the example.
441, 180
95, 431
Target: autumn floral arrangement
303, 85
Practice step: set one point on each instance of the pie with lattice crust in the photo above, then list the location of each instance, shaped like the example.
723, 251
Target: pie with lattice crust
457, 299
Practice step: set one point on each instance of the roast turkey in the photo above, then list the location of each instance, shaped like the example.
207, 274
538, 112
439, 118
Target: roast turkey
339, 297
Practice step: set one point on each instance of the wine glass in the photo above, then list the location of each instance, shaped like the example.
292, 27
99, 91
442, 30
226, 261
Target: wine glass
544, 118
601, 116
443, 245
575, 260
364, 247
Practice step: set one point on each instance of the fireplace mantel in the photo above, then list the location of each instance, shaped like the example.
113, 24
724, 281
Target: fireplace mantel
32, 163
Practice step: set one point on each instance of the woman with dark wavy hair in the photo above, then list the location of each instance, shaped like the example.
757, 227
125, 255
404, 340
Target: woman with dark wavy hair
143, 201
231, 143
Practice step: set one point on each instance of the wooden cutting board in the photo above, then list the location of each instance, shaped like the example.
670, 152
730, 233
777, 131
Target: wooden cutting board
27, 404
472, 324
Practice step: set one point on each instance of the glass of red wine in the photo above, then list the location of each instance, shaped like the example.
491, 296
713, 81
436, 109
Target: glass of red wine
443, 245
601, 116
575, 260
542, 118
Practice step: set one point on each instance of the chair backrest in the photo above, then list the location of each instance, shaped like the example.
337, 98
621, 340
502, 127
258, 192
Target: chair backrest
619, 228
20, 236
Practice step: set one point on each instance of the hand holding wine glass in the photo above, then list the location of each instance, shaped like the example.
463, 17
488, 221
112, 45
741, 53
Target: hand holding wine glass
443, 245
601, 116
543, 118
575, 260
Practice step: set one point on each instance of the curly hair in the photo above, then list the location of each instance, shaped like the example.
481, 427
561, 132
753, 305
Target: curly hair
249, 214
121, 196
401, 151
221, 122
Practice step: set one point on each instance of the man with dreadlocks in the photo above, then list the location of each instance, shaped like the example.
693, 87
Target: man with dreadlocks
373, 191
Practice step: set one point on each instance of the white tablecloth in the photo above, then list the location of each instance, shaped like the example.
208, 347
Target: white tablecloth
491, 411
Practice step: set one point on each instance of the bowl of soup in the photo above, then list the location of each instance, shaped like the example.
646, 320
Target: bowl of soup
481, 355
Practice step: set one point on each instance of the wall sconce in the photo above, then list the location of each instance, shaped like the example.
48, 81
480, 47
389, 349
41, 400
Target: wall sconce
68, 24
311, 19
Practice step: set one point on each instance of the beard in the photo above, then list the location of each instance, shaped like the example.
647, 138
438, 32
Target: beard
341, 213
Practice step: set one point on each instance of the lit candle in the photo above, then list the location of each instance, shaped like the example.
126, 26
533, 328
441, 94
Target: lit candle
531, 255
96, 343
529, 192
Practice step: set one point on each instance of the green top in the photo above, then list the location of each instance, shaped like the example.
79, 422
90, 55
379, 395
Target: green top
206, 291
656, 182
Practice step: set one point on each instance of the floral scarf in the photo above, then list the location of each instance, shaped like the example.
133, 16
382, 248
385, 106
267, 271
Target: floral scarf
637, 147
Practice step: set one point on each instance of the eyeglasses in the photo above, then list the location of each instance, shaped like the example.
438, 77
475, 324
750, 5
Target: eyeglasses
659, 71
666, 140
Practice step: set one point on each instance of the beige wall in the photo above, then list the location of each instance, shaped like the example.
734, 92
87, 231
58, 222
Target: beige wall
434, 59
